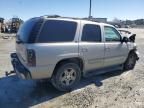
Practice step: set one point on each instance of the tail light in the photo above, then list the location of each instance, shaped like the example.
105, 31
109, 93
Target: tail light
31, 57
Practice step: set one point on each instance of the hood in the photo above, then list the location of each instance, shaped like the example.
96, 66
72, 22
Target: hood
132, 37
128, 34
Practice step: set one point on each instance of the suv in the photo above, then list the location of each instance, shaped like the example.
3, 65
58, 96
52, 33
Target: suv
66, 49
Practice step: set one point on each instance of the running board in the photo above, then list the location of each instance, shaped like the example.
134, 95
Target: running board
104, 70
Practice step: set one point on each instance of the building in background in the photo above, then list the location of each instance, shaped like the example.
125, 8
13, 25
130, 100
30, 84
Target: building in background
103, 20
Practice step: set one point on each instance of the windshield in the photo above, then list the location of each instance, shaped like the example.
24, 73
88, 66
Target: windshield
25, 30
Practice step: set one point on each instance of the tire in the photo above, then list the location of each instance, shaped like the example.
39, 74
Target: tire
130, 62
66, 76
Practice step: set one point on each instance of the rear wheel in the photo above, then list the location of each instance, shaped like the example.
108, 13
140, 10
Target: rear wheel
130, 62
66, 76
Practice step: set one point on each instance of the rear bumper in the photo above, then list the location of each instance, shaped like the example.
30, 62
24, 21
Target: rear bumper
19, 69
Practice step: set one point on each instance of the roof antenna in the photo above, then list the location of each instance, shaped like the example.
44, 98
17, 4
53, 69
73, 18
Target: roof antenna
90, 9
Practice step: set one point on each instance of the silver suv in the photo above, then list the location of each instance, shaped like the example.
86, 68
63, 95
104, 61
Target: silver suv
66, 49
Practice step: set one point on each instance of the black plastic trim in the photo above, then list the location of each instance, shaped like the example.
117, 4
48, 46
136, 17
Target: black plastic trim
17, 65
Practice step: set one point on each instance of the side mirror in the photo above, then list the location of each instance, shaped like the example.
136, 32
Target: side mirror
125, 39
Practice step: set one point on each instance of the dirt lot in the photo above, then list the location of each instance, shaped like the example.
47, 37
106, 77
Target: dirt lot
112, 90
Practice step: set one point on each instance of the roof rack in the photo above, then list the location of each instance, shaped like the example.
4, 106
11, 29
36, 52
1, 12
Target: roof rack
51, 16
58, 16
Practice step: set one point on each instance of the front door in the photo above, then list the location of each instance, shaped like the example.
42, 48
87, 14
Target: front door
115, 51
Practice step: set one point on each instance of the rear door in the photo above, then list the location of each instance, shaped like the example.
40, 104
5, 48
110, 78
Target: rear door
56, 41
115, 51
92, 47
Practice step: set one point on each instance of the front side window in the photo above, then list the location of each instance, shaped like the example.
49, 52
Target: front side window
111, 34
57, 31
91, 33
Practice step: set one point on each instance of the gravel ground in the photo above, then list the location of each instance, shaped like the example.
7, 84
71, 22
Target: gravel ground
112, 90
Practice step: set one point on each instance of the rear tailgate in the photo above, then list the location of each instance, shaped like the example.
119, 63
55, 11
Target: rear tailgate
21, 53
26, 35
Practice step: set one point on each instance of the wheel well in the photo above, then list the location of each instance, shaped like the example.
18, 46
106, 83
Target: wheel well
131, 51
76, 60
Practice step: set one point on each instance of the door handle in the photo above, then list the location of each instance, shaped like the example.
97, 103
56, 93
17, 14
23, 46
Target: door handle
84, 50
107, 49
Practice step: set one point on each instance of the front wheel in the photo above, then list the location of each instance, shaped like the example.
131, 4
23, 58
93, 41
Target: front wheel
66, 76
130, 62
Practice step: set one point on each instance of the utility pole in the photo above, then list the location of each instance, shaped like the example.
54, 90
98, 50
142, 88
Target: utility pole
90, 9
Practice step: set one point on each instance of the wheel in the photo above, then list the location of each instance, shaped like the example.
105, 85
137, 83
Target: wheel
66, 76
130, 62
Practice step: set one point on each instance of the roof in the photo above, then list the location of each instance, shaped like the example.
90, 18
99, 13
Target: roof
57, 17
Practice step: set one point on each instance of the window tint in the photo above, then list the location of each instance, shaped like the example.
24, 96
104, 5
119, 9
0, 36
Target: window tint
58, 31
91, 33
111, 34
26, 29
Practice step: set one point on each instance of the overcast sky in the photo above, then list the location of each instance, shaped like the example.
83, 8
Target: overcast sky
25, 9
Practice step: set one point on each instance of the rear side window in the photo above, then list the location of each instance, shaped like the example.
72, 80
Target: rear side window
57, 31
91, 33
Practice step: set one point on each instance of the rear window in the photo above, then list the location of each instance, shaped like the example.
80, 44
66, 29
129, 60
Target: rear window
26, 29
57, 31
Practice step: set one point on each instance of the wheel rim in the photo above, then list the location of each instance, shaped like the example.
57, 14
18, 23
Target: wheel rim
131, 61
68, 77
